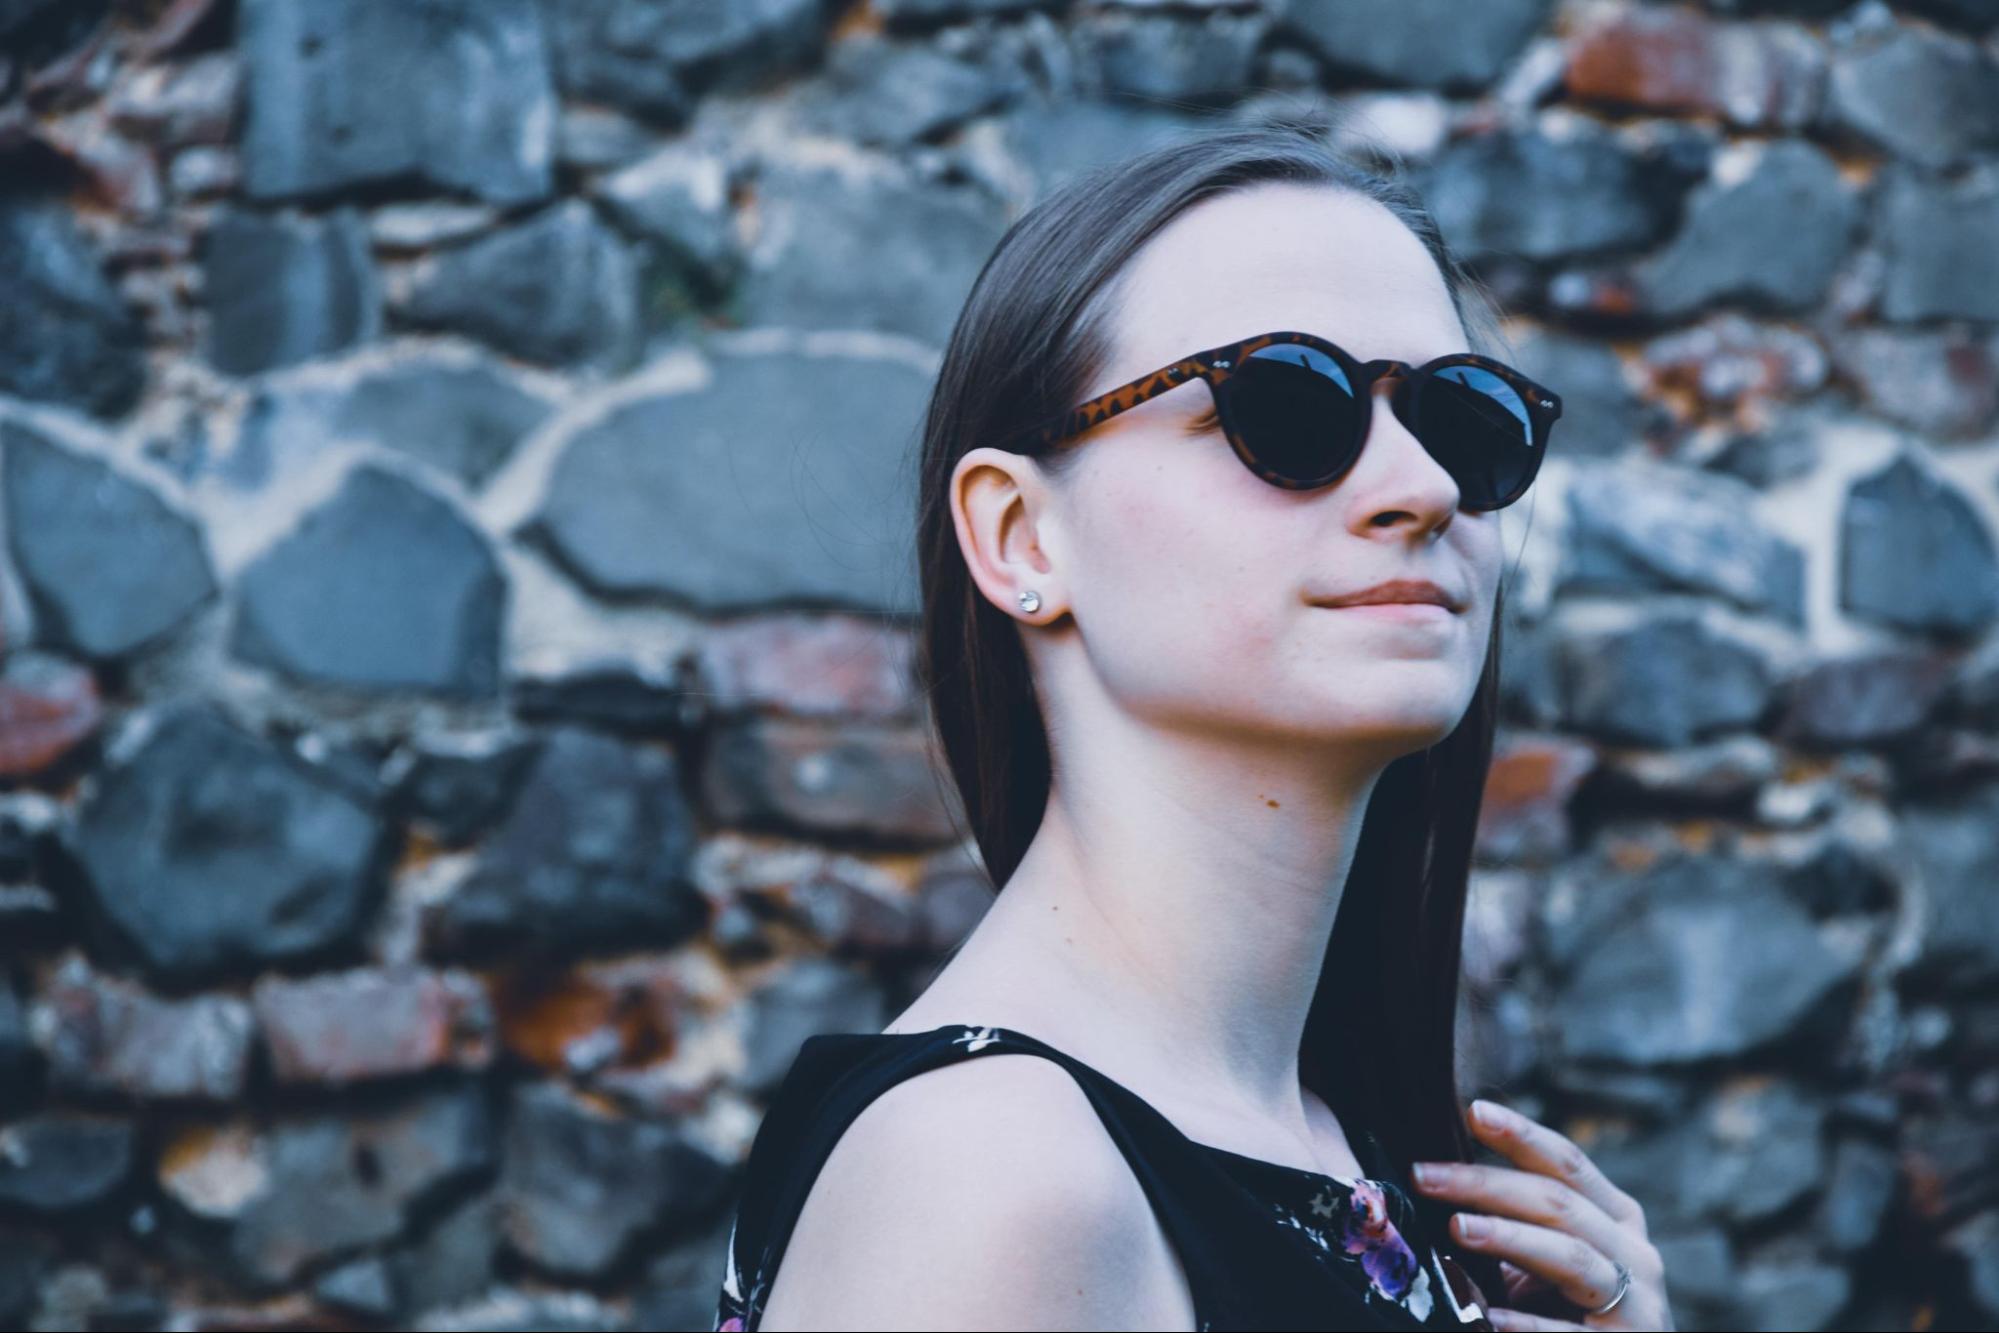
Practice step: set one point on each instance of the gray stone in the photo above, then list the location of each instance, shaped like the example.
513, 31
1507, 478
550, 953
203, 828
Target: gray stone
1641, 526
1397, 40
210, 850
1859, 1190
1936, 240
449, 93
650, 501
1710, 971
1791, 1296
806, 997
1666, 682
463, 418
1837, 879
677, 200
1870, 698
595, 853
1977, 1241
1203, 60
1700, 1269
579, 1186
559, 288
944, 11
1055, 141
1486, 191
890, 254
337, 602
453, 1261
1771, 240
877, 91
361, 1286
62, 1161
827, 778
68, 336
650, 56
1957, 863
1602, 415
17, 1052
457, 794
337, 1182
108, 567
1943, 382
282, 288
1748, 1156
1927, 96
103, 1035
1914, 553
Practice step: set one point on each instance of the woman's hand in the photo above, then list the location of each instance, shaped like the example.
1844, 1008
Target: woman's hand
1556, 1224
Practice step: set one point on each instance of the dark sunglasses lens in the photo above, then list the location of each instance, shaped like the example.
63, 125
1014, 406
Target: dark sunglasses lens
1477, 426
1296, 410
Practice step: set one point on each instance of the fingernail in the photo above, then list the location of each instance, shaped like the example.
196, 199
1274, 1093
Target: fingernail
1471, 1227
1488, 1114
1425, 1173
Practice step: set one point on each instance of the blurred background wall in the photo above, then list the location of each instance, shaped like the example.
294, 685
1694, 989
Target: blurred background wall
455, 727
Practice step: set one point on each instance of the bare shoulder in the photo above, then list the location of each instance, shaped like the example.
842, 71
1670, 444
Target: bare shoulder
983, 1194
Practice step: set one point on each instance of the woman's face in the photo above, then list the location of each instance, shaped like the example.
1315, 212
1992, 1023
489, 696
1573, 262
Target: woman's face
1191, 582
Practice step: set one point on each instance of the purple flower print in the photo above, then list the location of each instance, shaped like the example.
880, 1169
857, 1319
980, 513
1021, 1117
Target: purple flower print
1364, 1229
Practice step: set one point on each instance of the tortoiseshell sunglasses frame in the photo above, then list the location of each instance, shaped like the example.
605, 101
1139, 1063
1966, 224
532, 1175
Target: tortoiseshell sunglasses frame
1218, 364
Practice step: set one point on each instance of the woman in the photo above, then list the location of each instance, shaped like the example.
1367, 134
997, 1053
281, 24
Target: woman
1232, 815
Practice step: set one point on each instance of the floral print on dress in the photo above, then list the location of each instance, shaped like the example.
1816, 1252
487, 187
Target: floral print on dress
1352, 1222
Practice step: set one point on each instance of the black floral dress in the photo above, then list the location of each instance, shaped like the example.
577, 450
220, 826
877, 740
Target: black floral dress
1265, 1245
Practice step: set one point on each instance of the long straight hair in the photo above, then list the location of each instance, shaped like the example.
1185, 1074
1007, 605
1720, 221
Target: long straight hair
1033, 333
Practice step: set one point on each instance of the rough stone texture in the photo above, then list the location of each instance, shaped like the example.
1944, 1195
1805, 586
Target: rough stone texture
367, 1024
557, 288
1929, 97
594, 852
283, 289
580, 1185
61, 1161
1633, 686
1485, 190
1705, 973
1646, 527
464, 418
341, 93
446, 776
1396, 40
109, 566
883, 253
209, 849
1914, 554
69, 337
332, 1183
48, 708
647, 501
1769, 240
102, 1035
340, 601
1933, 235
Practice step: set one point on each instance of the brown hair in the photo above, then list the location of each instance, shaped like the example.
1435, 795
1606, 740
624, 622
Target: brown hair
1033, 333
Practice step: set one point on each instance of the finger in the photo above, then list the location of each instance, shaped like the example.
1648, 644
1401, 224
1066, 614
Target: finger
1522, 1320
1582, 1273
1539, 1148
1529, 1196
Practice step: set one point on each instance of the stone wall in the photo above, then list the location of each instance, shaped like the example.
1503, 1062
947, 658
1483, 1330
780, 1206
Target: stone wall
455, 722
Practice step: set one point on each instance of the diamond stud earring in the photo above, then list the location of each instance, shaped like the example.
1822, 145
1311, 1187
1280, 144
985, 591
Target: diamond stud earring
1030, 601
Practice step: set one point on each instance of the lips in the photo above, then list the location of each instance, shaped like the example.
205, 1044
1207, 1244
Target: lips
1396, 592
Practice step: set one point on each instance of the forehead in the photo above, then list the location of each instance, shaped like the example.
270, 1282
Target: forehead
1283, 256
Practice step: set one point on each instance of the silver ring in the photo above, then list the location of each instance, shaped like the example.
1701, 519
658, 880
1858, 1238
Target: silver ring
1623, 1285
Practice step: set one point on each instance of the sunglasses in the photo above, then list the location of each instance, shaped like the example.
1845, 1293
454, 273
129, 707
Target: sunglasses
1296, 409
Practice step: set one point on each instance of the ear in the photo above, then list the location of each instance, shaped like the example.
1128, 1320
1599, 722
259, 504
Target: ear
1000, 505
